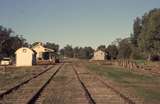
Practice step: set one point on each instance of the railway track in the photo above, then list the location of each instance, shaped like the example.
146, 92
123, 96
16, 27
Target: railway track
64, 89
23, 82
88, 94
127, 99
92, 83
28, 91
16, 86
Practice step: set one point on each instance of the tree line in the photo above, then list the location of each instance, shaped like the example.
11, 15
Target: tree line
77, 52
143, 43
10, 42
146, 35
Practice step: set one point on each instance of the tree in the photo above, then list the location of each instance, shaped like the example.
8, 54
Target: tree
125, 48
112, 50
61, 52
89, 52
136, 53
68, 51
11, 45
4, 35
137, 28
149, 39
76, 52
86, 52
23, 41
52, 46
101, 47
10, 42
81, 53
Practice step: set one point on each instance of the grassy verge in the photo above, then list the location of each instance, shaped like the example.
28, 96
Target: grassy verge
145, 62
145, 86
14, 75
141, 62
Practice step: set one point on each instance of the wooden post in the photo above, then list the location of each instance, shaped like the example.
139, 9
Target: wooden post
4, 69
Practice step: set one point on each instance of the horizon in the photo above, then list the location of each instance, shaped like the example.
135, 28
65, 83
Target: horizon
74, 22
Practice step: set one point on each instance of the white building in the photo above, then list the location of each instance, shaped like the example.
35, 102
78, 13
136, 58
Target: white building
25, 57
99, 55
42, 52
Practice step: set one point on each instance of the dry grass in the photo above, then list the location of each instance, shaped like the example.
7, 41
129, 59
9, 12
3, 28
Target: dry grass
14, 75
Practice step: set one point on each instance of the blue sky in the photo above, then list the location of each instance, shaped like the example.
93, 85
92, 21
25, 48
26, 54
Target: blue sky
75, 22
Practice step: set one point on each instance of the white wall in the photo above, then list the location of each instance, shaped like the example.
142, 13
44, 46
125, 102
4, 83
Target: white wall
39, 50
24, 58
99, 55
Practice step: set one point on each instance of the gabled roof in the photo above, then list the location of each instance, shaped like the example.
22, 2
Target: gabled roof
28, 49
49, 50
98, 50
40, 44
101, 51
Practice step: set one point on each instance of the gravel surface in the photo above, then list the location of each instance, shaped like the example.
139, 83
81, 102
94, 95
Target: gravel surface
64, 89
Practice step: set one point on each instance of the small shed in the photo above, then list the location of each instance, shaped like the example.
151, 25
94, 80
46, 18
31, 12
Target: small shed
25, 57
99, 55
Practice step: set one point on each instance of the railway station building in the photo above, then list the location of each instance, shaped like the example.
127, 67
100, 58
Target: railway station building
43, 53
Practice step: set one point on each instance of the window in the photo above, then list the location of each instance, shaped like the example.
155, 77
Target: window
24, 50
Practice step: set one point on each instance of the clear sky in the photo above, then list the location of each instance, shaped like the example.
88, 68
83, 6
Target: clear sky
75, 22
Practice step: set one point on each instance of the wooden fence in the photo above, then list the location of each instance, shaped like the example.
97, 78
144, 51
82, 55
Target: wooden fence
127, 64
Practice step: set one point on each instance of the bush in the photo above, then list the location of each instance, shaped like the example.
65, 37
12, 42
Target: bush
137, 54
155, 58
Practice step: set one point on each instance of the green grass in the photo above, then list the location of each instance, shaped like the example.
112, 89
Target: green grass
145, 62
138, 82
119, 74
148, 94
140, 62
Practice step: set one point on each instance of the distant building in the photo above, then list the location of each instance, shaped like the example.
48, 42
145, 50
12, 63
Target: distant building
99, 55
25, 57
43, 53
